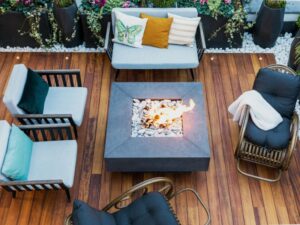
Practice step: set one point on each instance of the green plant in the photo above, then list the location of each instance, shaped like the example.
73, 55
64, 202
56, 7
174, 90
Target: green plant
277, 4
63, 3
163, 3
297, 54
298, 22
94, 11
110, 4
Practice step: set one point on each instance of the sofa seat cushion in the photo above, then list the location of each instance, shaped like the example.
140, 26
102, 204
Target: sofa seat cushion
66, 100
280, 90
150, 209
83, 214
4, 137
173, 57
277, 138
53, 160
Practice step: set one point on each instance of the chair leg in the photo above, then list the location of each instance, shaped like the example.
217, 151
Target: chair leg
68, 194
277, 178
192, 74
117, 74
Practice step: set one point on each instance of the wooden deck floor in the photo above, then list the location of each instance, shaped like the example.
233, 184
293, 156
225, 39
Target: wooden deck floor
232, 198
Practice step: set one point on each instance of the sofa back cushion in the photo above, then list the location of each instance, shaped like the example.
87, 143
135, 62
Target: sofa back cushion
157, 12
18, 155
15, 88
83, 214
4, 136
280, 90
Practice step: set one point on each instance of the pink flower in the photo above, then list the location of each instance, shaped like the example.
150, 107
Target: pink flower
202, 2
126, 4
227, 1
99, 3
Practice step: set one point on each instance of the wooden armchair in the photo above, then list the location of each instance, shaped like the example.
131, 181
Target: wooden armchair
156, 205
150, 58
277, 158
65, 102
53, 159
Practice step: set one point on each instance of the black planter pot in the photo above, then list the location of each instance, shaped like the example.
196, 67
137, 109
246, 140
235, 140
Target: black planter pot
88, 37
65, 19
268, 26
296, 41
210, 25
12, 22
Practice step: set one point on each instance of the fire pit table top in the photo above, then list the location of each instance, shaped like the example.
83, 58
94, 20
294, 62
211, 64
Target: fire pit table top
191, 152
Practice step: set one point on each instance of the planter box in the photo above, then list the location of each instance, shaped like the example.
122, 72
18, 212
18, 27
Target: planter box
88, 37
11, 22
210, 25
65, 19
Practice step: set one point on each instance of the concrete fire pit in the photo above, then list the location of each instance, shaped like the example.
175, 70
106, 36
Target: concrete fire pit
190, 152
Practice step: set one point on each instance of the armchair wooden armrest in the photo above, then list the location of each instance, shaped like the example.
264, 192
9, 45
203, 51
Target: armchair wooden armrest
48, 132
33, 119
65, 78
36, 185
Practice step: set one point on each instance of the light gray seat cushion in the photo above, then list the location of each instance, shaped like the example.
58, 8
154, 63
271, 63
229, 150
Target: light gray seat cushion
53, 160
4, 137
174, 57
66, 100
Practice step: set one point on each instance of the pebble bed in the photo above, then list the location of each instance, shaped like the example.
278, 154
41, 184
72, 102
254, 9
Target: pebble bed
143, 126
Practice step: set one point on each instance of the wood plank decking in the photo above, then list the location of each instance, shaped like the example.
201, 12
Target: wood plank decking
232, 198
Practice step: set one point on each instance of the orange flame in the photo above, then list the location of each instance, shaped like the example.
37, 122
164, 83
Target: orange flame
166, 115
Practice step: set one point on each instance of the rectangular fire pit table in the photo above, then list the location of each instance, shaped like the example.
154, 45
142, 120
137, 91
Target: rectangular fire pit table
123, 152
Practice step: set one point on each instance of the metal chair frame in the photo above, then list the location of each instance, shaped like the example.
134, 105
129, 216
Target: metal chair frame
275, 158
168, 191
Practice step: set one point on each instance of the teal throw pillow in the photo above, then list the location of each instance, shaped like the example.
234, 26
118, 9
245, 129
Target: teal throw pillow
18, 155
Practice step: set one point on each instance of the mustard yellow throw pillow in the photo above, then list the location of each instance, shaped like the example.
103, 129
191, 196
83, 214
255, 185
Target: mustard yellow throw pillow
157, 31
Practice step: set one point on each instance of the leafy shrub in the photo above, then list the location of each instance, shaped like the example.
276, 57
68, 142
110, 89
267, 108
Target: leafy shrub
163, 3
298, 22
276, 4
63, 3
110, 4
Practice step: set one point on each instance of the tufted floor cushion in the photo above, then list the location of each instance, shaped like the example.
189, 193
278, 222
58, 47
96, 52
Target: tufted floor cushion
150, 209
277, 138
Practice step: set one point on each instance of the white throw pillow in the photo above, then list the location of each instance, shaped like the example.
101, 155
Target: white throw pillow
129, 30
183, 30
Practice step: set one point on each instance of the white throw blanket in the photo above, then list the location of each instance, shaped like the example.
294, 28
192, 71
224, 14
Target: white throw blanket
263, 115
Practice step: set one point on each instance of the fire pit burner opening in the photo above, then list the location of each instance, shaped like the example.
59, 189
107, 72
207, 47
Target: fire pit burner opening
158, 118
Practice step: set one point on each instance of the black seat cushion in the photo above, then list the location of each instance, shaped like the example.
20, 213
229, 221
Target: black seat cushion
83, 214
150, 209
277, 138
278, 89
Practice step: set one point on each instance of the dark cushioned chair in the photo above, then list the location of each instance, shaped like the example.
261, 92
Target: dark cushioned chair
273, 148
151, 208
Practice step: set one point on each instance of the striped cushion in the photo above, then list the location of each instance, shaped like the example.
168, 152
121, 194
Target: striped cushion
183, 30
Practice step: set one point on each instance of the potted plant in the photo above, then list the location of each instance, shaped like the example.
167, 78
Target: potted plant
67, 19
269, 23
95, 16
294, 57
224, 21
24, 23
